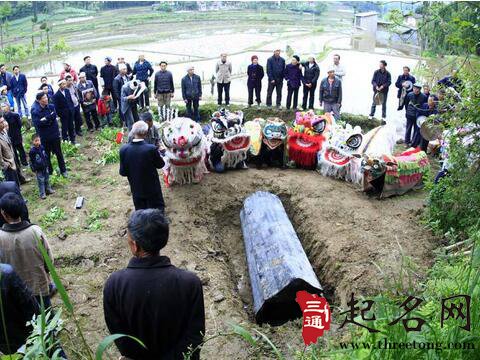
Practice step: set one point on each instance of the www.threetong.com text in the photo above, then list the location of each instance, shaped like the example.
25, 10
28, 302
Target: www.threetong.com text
384, 344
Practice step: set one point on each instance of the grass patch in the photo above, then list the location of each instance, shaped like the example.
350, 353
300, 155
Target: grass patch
54, 215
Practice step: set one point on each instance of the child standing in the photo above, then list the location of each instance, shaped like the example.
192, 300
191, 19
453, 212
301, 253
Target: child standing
105, 105
39, 165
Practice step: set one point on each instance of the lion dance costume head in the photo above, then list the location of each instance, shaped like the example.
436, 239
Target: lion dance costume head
306, 137
229, 140
186, 150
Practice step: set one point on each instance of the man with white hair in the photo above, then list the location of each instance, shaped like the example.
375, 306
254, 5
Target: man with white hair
139, 162
192, 93
331, 93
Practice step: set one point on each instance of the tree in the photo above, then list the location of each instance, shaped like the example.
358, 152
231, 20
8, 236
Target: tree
47, 28
5, 11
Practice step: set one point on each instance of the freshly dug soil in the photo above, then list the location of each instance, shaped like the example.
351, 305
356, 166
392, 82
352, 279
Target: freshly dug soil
354, 243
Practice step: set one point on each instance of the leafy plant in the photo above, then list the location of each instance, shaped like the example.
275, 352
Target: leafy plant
54, 215
94, 222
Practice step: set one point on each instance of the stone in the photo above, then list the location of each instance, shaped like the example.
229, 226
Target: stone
218, 296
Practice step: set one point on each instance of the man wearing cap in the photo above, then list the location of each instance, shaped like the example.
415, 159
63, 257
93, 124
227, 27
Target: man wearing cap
108, 73
67, 69
91, 72
404, 85
381, 81
413, 102
163, 88
311, 72
142, 69
192, 93
128, 102
275, 73
44, 118
294, 78
88, 99
65, 109
254, 83
331, 93
223, 69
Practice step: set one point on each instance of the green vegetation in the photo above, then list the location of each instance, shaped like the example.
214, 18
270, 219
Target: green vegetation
95, 217
54, 215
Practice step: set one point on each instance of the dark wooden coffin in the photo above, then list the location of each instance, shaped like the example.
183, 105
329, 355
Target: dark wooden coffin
277, 263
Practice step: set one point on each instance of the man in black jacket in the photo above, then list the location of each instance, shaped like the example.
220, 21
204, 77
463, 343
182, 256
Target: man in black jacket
91, 71
108, 73
163, 88
192, 93
151, 299
381, 81
18, 307
413, 102
12, 187
311, 72
66, 111
275, 73
15, 132
139, 162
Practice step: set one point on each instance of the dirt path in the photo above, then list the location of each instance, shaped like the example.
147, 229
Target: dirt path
354, 243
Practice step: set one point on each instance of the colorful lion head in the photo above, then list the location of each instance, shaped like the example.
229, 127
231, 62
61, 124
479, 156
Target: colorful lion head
337, 155
274, 133
185, 151
306, 137
228, 131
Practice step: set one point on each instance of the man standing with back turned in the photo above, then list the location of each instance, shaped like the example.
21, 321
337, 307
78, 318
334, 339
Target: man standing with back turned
151, 299
139, 162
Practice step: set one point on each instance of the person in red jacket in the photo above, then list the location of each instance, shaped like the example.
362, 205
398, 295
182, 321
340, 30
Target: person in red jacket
105, 104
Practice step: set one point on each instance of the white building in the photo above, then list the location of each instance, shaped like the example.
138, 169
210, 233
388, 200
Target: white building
367, 22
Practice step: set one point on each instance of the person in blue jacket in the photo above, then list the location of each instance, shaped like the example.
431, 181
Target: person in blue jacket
18, 85
44, 81
39, 165
426, 109
143, 70
44, 118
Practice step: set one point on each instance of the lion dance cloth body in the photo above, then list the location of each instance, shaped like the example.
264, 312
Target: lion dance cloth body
267, 141
389, 175
229, 140
307, 136
185, 151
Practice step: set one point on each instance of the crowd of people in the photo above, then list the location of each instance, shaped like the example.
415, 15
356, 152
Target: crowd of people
151, 299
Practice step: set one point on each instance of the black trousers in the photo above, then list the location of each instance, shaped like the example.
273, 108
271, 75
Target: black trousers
384, 105
309, 95
20, 151
89, 116
294, 92
152, 202
145, 97
220, 88
68, 126
194, 115
278, 88
20, 176
55, 147
409, 128
258, 89
77, 120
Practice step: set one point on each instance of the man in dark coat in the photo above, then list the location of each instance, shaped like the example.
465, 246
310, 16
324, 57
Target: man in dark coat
163, 88
381, 81
275, 73
66, 111
19, 85
192, 93
44, 118
413, 102
120, 80
152, 300
311, 72
91, 72
254, 82
404, 84
121, 60
15, 132
12, 187
331, 93
139, 162
294, 78
143, 70
108, 73
18, 307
